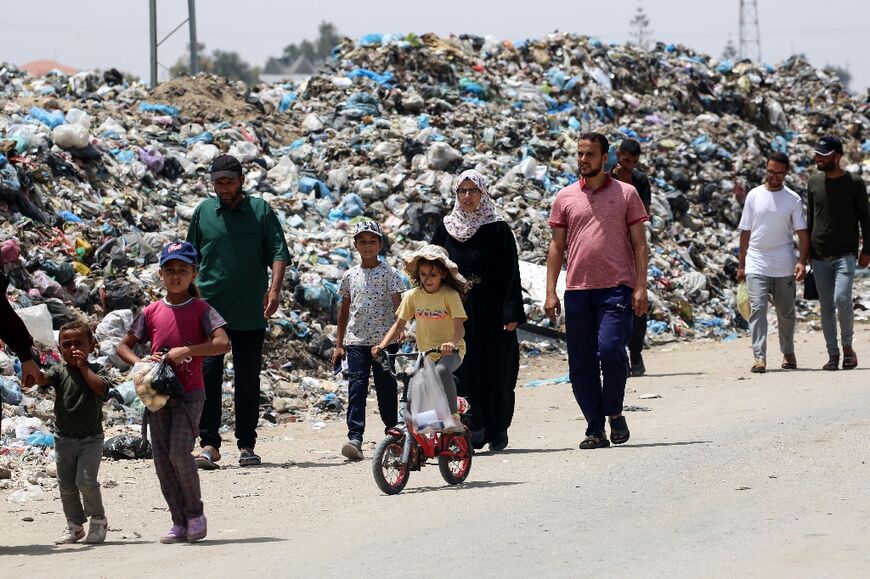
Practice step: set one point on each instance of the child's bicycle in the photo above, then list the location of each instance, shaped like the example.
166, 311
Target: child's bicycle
404, 449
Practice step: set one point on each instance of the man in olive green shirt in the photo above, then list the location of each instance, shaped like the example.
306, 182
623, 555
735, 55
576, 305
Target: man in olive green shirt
238, 237
837, 207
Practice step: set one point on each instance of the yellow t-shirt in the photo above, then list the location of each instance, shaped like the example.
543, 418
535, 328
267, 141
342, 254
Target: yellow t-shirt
434, 314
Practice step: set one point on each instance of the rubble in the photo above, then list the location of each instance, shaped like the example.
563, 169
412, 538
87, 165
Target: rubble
98, 174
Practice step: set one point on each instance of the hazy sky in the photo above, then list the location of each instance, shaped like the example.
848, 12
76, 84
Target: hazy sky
114, 33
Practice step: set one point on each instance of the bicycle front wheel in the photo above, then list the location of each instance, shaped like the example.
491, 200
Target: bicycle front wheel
390, 474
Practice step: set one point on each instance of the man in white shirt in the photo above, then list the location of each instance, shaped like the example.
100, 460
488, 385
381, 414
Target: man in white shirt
772, 214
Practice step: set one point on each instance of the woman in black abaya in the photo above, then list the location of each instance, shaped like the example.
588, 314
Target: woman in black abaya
481, 243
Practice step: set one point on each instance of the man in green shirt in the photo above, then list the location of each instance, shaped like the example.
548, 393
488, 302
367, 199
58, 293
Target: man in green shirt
238, 237
837, 207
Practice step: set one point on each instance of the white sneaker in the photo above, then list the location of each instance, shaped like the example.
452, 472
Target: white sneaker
71, 534
97, 530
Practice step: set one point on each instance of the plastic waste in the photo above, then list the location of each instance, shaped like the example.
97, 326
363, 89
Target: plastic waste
743, 303
126, 447
27, 494
159, 108
10, 391
43, 439
70, 136
38, 322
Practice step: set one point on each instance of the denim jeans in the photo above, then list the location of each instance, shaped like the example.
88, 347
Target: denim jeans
834, 280
359, 364
78, 462
598, 323
247, 348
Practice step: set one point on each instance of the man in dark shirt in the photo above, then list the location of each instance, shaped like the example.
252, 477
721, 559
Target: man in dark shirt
238, 237
837, 207
628, 157
15, 334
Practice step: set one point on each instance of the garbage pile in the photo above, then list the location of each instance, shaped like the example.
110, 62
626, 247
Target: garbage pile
97, 174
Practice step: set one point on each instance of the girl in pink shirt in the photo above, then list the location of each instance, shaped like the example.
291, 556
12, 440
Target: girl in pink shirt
186, 328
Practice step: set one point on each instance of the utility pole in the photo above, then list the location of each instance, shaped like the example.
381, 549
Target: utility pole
152, 9
750, 34
153, 43
194, 49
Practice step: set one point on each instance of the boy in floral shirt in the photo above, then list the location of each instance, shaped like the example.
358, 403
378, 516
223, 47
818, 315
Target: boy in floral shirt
371, 293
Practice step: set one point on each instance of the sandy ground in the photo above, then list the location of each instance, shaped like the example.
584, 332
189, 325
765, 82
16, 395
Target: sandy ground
728, 473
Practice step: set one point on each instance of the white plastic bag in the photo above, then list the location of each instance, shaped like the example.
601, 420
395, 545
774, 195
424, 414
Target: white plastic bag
37, 319
430, 411
70, 136
141, 375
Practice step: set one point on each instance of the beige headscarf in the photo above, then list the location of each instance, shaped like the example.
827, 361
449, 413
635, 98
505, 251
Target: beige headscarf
462, 225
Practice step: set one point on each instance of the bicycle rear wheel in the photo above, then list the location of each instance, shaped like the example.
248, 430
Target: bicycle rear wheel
390, 474
455, 469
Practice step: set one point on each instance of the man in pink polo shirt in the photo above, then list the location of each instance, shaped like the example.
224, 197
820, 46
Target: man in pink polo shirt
600, 221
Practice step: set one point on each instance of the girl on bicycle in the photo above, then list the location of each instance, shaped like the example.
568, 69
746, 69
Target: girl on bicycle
435, 303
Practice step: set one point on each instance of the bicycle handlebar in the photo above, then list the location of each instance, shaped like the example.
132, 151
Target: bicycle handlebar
385, 358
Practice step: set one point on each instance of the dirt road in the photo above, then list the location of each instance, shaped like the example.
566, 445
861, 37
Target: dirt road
728, 473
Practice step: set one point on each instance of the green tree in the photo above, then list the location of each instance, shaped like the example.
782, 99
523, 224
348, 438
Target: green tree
640, 32
730, 52
327, 39
227, 64
316, 51
842, 73
231, 65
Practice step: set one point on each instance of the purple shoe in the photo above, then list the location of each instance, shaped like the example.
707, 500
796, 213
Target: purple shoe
176, 534
196, 529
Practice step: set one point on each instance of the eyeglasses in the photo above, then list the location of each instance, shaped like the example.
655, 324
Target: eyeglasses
473, 191
775, 173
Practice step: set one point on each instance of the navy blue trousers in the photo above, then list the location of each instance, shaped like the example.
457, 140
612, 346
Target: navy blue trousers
598, 324
359, 365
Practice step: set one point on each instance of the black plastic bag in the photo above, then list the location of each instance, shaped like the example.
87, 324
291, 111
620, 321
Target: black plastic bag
810, 290
164, 380
126, 446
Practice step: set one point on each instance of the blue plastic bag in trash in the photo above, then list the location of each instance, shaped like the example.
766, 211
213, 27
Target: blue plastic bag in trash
51, 119
203, 137
69, 216
372, 39
361, 104
382, 79
475, 88
287, 100
308, 184
159, 108
10, 391
40, 439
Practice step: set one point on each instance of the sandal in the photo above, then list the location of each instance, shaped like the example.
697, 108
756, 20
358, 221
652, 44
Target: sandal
205, 461
833, 363
789, 362
248, 458
598, 440
759, 367
619, 433
850, 362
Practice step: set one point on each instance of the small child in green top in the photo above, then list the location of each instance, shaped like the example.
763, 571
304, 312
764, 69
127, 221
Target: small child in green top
78, 407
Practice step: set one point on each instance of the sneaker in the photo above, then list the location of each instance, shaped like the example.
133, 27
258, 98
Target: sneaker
352, 449
71, 534
97, 530
196, 529
176, 534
